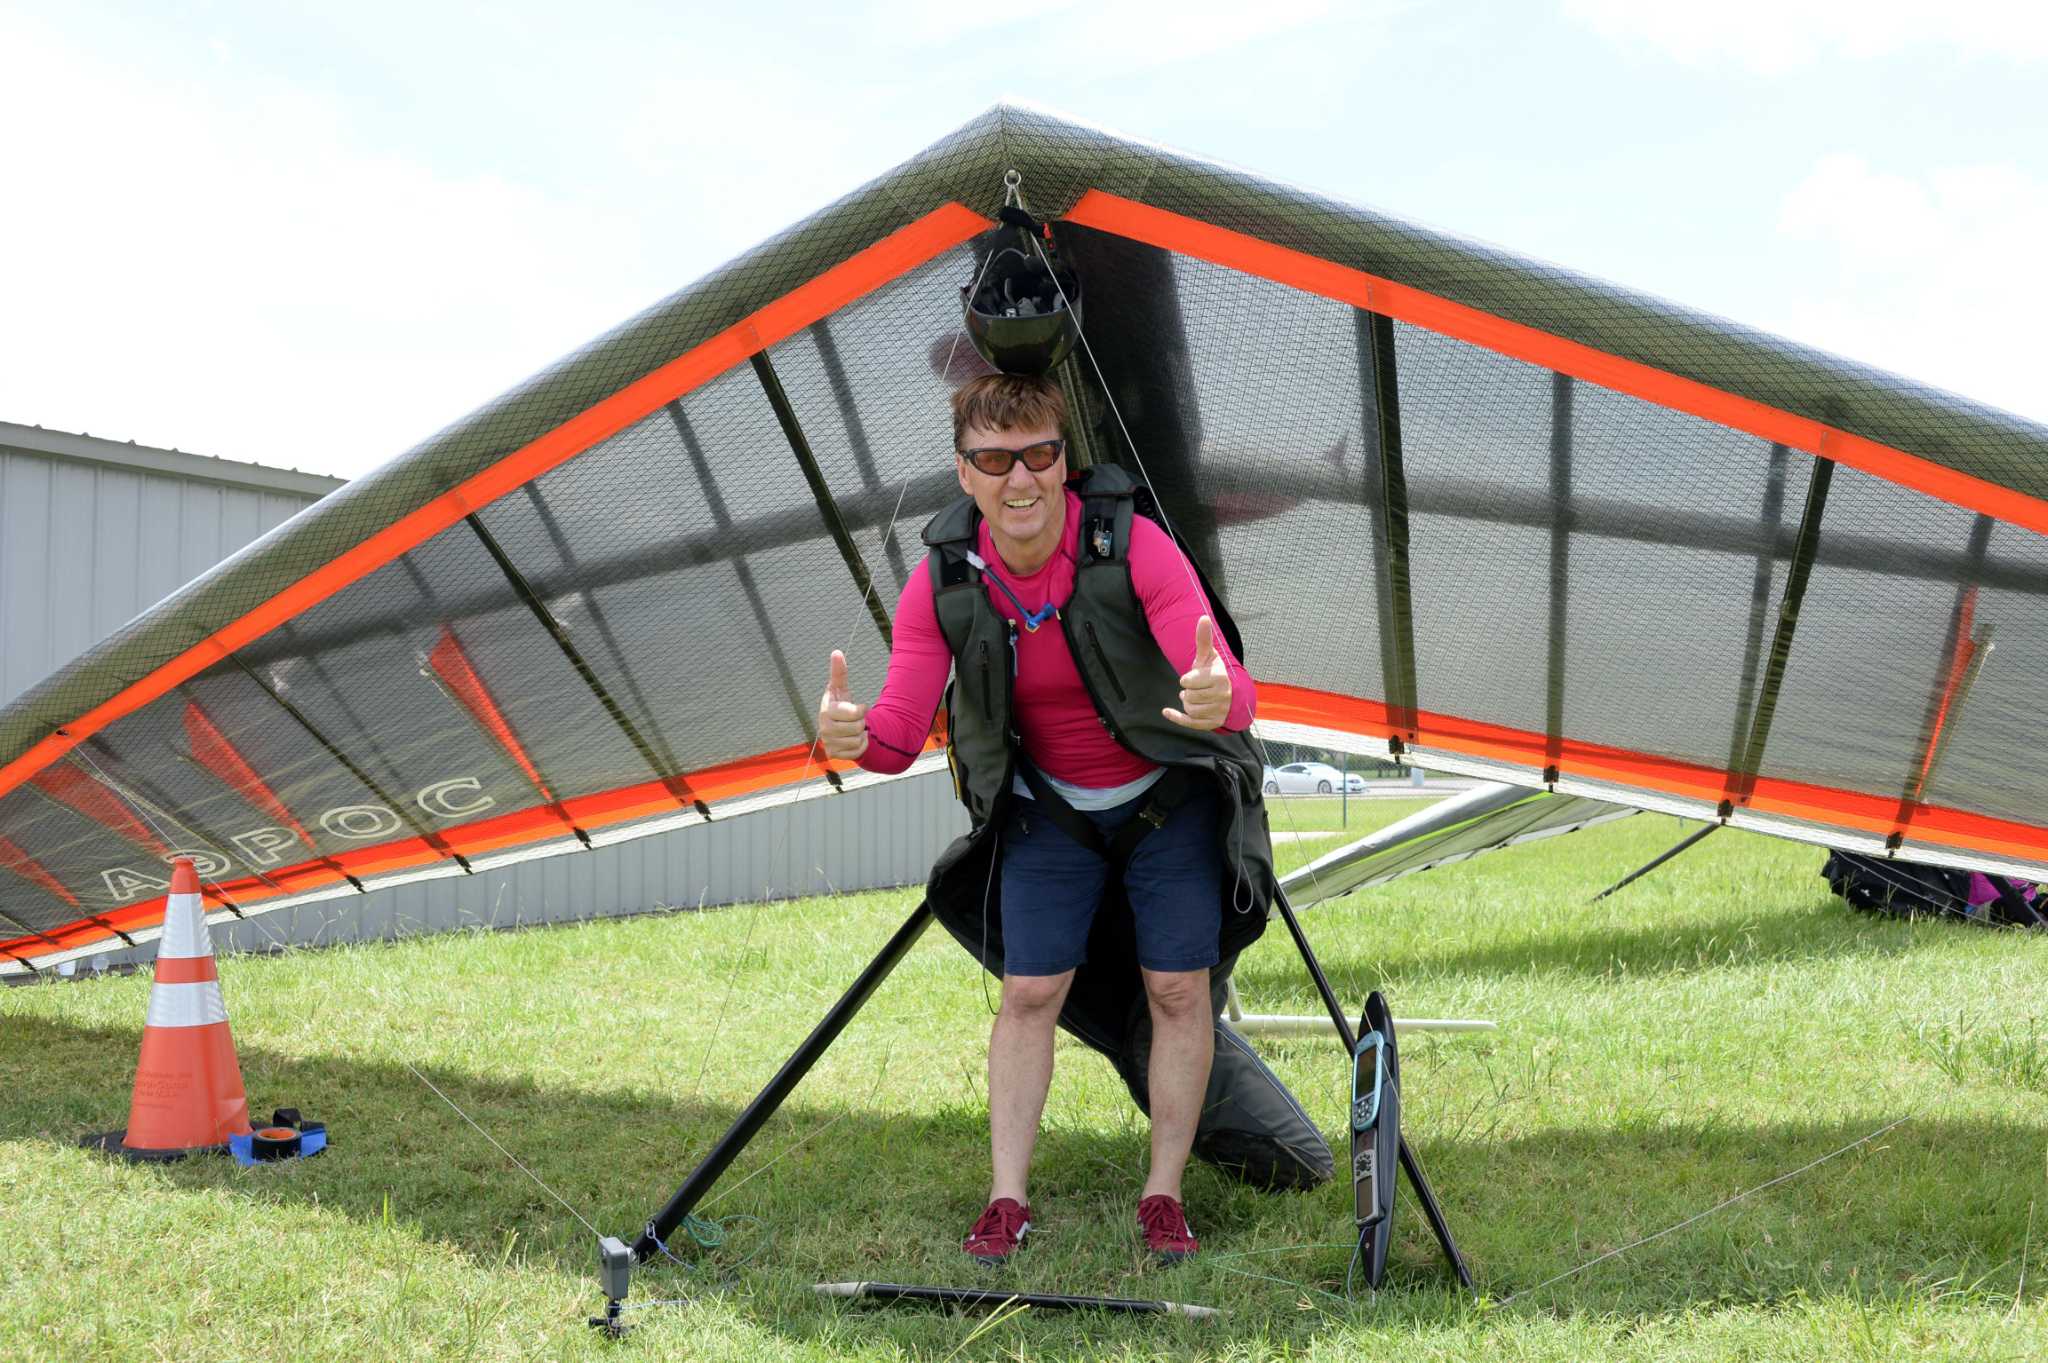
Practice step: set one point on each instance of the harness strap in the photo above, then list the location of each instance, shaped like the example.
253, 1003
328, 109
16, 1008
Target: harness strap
1167, 794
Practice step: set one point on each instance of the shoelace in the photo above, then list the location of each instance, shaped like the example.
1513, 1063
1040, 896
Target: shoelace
1160, 1218
999, 1221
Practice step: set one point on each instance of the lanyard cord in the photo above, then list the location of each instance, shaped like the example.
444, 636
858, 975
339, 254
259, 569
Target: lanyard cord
1032, 618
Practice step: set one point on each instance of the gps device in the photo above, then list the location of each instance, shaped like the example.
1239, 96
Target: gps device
1368, 1079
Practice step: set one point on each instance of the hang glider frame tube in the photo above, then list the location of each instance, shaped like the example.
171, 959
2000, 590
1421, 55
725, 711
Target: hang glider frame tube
1444, 814
1698, 835
950, 225
1520, 341
1349, 1040
1285, 1024
914, 243
653, 1238
1000, 1297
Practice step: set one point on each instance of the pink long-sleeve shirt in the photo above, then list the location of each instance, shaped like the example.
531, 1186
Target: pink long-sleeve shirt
1055, 719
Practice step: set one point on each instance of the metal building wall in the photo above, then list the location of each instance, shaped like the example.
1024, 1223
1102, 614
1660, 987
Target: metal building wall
93, 531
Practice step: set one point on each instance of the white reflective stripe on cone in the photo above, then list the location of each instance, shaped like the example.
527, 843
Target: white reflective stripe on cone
186, 1005
185, 931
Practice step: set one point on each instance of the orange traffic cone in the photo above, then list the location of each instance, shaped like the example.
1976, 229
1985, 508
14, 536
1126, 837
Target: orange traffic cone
188, 1084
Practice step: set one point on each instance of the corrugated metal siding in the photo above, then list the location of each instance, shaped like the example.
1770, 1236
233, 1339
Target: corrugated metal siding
85, 547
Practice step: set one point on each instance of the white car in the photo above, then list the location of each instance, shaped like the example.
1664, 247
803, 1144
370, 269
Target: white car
1312, 778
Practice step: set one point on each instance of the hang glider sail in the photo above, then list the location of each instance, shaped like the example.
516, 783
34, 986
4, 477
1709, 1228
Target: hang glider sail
1457, 828
1496, 516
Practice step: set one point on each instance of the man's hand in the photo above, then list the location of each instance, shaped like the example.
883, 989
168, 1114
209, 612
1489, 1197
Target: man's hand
1205, 687
842, 725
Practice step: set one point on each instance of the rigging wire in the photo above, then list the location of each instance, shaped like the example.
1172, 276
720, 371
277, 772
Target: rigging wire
881, 1072
1701, 1216
711, 1234
539, 1182
149, 812
1110, 398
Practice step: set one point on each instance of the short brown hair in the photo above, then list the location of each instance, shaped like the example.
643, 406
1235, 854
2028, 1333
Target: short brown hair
1007, 402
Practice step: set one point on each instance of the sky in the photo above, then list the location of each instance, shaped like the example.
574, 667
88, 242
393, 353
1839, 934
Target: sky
313, 235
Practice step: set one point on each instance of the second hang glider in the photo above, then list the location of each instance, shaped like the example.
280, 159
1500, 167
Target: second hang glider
1476, 510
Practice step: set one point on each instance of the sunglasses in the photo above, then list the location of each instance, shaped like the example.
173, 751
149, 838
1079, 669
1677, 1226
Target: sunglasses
996, 461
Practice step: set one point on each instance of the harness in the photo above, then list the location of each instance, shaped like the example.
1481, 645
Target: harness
1109, 500
1167, 794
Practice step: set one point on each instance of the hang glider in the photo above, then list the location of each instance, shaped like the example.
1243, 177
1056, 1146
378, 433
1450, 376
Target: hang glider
1474, 509
1457, 828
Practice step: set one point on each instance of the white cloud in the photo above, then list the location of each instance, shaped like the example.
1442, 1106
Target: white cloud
1936, 275
217, 261
1771, 37
1142, 35
1051, 42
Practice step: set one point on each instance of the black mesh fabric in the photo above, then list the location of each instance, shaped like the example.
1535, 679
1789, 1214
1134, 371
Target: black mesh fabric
1583, 565
1994, 728
1870, 646
1263, 477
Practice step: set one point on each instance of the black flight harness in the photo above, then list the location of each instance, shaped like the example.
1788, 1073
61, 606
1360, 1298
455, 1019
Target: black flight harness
1165, 795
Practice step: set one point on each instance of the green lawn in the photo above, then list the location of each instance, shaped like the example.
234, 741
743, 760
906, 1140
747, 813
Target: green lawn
1720, 1024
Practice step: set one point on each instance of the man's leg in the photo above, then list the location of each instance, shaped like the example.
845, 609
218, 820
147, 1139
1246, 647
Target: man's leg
1183, 1045
1019, 1074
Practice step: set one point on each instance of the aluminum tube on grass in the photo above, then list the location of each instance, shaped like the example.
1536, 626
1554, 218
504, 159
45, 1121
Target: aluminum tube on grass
996, 1297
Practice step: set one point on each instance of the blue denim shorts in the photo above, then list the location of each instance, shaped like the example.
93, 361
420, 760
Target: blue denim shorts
1052, 885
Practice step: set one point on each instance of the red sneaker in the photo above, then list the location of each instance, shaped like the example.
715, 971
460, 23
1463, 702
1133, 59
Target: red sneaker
998, 1233
1167, 1233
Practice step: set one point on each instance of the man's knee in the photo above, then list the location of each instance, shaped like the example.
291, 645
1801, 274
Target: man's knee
1031, 995
1177, 994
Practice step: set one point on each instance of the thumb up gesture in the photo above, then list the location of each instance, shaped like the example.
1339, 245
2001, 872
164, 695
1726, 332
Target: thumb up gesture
842, 725
1205, 687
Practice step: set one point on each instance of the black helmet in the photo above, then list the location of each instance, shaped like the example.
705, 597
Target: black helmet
1022, 317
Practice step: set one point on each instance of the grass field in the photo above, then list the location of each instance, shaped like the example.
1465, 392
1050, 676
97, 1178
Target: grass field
1721, 1024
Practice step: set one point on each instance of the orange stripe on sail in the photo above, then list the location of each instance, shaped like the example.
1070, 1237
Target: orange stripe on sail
1403, 302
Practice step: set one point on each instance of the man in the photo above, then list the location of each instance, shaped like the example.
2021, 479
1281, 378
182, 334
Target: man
1160, 833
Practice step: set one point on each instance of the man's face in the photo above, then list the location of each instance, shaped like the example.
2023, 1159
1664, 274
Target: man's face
1022, 508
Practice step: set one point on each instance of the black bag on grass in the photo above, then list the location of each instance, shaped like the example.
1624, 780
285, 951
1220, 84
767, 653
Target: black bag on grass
1910, 889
